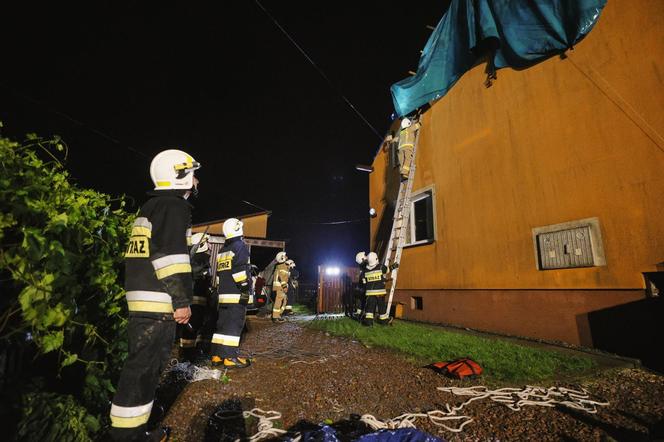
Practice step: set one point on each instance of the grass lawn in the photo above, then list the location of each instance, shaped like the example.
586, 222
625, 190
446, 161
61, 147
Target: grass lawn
301, 309
503, 361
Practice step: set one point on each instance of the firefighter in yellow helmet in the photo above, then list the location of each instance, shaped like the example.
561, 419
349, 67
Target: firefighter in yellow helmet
158, 283
235, 290
280, 286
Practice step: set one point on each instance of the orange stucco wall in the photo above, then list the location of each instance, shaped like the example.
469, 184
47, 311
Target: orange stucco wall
564, 140
254, 226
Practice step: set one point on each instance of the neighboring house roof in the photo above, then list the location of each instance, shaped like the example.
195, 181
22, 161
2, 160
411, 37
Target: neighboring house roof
219, 221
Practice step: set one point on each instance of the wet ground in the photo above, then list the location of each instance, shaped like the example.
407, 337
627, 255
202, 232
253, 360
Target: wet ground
311, 378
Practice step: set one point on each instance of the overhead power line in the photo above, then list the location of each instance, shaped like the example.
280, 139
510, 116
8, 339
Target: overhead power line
50, 109
320, 71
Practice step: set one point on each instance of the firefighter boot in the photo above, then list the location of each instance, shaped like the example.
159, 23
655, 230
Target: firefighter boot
156, 435
236, 362
216, 362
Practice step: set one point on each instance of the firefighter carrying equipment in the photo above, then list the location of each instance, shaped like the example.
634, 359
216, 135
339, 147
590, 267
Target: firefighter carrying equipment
233, 228
173, 169
281, 257
234, 270
459, 368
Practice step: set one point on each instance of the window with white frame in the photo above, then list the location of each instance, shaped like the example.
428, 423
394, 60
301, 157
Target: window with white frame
421, 222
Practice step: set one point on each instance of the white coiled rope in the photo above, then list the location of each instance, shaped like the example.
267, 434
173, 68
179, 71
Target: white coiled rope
192, 373
407, 420
513, 398
266, 425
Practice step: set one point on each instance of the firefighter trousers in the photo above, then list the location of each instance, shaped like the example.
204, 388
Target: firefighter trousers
279, 303
226, 340
375, 309
189, 333
150, 343
405, 155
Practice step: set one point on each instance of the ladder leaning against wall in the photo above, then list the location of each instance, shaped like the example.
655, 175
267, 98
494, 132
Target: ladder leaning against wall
400, 221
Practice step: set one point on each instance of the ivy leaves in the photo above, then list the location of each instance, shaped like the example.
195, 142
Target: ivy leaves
61, 251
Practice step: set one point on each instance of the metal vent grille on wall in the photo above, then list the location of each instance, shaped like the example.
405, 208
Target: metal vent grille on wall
565, 249
569, 245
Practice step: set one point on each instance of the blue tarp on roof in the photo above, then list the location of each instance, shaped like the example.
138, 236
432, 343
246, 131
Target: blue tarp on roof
522, 33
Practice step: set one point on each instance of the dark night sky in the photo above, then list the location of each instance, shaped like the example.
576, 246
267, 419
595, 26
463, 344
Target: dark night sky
221, 82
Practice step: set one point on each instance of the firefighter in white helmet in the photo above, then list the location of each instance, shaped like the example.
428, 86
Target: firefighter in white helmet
406, 145
235, 290
293, 284
280, 286
191, 339
374, 281
360, 298
158, 285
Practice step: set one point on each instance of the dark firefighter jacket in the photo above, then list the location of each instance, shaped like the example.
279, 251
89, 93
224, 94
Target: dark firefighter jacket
374, 281
234, 271
360, 281
157, 267
202, 278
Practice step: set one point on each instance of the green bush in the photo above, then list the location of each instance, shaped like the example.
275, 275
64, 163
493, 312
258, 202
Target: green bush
61, 299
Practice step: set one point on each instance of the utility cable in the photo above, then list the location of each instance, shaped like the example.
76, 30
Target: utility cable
320, 71
325, 223
71, 119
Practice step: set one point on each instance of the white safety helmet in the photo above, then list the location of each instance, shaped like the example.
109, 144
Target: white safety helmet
360, 258
372, 260
173, 169
232, 228
290, 263
405, 123
201, 240
281, 257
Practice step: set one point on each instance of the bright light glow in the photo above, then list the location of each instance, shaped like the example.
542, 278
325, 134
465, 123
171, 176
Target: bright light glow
332, 271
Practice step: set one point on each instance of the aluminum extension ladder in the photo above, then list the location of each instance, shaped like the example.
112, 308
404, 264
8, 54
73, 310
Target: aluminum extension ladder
400, 221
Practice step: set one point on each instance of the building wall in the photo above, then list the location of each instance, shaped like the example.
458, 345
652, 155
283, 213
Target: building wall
254, 226
564, 140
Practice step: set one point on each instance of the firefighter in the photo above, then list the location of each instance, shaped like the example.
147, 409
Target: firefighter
191, 334
374, 280
360, 298
406, 143
280, 286
158, 282
293, 284
234, 270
